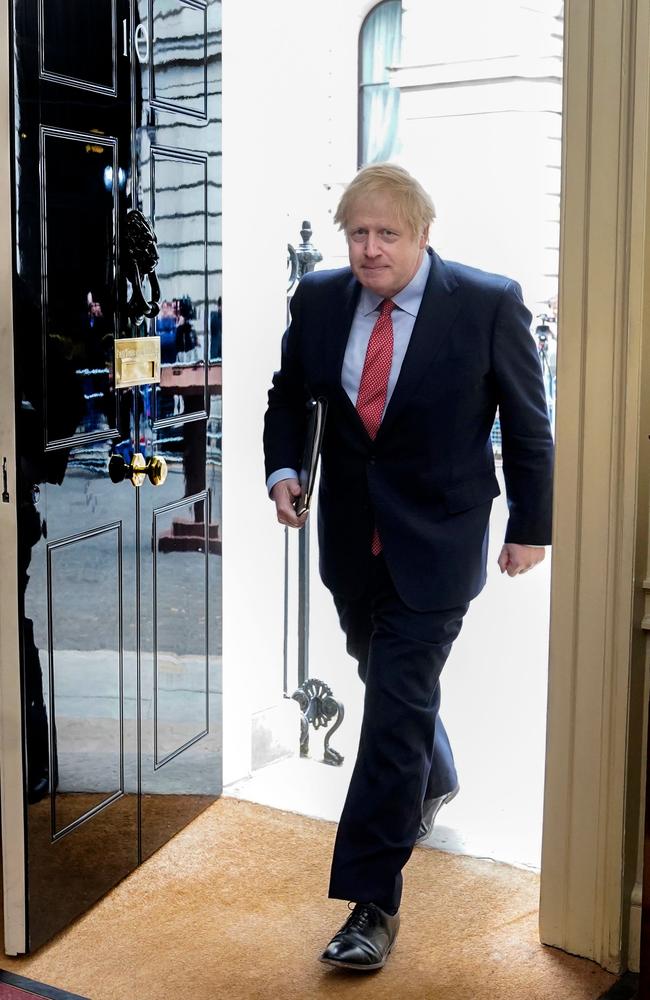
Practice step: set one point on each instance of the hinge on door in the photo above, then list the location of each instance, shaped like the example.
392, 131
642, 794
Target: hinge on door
5, 491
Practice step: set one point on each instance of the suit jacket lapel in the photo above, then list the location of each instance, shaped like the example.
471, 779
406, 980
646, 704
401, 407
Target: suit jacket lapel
341, 315
437, 312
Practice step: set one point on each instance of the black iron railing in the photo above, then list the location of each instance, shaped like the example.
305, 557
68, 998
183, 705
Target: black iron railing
318, 705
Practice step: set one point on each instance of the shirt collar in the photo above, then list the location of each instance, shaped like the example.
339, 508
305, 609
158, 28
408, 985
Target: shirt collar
408, 299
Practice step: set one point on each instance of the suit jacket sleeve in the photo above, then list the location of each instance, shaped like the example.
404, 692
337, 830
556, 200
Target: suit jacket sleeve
286, 416
525, 426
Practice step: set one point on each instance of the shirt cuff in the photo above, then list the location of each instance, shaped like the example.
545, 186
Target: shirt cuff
278, 476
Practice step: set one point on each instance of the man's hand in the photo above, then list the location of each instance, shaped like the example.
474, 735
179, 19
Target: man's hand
283, 494
515, 559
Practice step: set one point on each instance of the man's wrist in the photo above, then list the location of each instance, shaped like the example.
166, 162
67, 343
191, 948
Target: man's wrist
278, 476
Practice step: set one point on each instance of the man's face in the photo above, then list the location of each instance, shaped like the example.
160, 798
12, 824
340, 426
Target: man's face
384, 253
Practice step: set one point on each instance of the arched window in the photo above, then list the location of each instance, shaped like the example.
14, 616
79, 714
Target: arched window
380, 42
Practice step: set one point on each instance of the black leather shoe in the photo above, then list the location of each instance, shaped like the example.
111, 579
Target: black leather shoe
430, 810
365, 939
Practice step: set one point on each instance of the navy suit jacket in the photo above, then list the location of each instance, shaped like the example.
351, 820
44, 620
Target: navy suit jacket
428, 479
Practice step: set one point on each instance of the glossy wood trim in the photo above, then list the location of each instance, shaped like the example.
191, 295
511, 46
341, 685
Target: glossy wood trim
11, 736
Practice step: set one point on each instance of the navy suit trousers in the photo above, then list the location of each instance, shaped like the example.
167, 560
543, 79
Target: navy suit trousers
404, 754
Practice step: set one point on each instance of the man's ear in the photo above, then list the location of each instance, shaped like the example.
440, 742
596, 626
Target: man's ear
424, 238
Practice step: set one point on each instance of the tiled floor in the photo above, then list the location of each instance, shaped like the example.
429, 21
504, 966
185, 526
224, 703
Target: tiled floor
494, 707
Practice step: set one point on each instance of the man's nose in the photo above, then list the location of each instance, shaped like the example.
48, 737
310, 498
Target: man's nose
372, 247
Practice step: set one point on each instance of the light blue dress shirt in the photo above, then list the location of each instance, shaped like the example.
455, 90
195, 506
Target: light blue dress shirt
407, 304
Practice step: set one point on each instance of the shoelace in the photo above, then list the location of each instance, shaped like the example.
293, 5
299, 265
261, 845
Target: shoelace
359, 917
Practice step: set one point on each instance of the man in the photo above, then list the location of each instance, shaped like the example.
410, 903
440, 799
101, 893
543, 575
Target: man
414, 355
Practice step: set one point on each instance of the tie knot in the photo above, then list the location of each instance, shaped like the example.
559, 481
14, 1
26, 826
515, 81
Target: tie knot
387, 307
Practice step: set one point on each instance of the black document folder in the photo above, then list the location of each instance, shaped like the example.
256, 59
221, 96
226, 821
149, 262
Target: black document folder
313, 442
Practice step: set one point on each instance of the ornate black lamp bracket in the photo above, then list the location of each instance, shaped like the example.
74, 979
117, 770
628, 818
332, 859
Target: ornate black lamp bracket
319, 707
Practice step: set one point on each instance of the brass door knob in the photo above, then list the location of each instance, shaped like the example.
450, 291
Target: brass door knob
156, 470
135, 471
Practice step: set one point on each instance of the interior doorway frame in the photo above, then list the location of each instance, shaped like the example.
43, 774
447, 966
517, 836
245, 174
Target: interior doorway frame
593, 793
11, 753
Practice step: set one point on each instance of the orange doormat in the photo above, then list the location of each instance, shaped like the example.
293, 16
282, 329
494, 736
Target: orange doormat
235, 908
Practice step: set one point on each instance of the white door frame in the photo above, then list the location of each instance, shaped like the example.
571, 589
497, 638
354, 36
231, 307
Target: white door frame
594, 744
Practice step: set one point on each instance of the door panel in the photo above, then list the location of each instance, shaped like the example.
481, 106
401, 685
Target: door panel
78, 283
84, 575
181, 29
180, 653
81, 731
79, 43
178, 204
177, 144
181, 745
118, 587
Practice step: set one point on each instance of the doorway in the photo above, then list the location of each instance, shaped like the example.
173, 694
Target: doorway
450, 88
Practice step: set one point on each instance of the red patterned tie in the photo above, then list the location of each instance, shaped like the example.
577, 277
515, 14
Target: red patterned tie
374, 382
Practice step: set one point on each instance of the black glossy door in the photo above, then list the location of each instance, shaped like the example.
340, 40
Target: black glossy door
116, 107
178, 184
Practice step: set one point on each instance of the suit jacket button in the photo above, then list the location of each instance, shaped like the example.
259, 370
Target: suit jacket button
372, 460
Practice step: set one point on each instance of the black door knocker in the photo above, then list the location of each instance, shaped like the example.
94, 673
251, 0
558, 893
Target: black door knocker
141, 260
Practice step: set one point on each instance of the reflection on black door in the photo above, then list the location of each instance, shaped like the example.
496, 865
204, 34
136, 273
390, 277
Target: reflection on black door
117, 106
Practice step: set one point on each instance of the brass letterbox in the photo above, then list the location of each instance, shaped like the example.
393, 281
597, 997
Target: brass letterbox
137, 361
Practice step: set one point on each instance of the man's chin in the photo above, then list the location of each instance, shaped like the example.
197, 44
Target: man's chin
376, 281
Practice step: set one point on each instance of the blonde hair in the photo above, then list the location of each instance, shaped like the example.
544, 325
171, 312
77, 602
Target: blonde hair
413, 205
